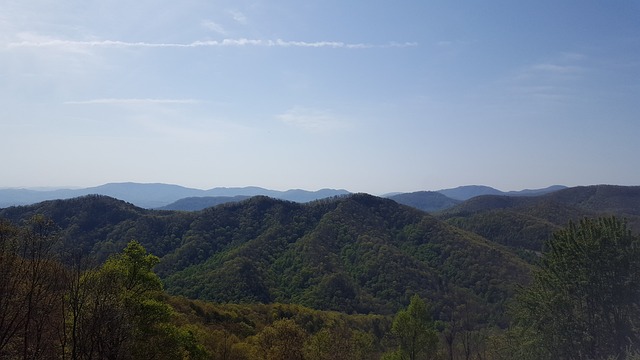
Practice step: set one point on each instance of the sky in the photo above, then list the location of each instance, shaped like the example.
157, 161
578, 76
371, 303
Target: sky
368, 96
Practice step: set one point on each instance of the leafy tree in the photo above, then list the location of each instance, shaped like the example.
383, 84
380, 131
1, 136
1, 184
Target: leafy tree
283, 340
583, 302
339, 343
123, 316
415, 332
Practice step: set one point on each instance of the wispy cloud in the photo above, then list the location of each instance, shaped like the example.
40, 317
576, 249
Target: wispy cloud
556, 79
238, 16
312, 120
133, 101
555, 68
73, 45
564, 64
213, 26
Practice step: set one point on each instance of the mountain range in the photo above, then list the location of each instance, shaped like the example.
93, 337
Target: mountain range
175, 197
233, 270
157, 195
355, 253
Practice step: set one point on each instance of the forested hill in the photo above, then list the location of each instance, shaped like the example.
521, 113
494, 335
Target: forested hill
526, 222
356, 254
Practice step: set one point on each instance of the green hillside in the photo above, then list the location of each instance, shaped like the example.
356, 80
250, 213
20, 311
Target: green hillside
357, 254
526, 222
241, 278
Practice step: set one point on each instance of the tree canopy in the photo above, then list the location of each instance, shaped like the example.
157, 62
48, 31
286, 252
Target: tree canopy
583, 303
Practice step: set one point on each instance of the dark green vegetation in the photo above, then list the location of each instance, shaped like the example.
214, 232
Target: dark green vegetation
49, 311
355, 260
358, 254
584, 301
524, 223
118, 310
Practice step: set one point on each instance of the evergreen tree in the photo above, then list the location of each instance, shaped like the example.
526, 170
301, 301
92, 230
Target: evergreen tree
583, 302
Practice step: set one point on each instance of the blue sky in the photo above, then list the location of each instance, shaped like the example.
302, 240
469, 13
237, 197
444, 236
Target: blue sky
371, 96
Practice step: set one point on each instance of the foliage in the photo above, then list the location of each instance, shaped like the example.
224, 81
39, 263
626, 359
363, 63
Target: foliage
525, 223
70, 291
583, 303
48, 311
355, 254
415, 332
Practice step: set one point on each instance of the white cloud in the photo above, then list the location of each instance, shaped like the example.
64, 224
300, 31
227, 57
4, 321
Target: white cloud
213, 26
312, 120
238, 16
132, 101
76, 45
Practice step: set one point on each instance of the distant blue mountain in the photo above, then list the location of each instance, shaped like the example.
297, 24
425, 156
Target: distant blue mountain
428, 201
471, 191
155, 195
202, 202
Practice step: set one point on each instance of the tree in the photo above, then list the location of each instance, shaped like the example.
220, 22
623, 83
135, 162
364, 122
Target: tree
282, 340
123, 315
339, 343
583, 302
31, 290
415, 332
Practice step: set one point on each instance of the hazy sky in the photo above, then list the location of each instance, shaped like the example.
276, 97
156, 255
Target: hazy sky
372, 96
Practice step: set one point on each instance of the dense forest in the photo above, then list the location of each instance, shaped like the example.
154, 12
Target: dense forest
353, 277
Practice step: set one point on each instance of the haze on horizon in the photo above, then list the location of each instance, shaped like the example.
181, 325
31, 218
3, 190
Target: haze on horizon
367, 96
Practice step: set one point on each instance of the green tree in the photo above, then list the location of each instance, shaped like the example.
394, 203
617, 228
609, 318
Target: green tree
124, 317
282, 340
583, 302
339, 343
415, 332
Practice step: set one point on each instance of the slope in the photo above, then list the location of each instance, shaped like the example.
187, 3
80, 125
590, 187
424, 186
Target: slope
355, 254
526, 222
428, 201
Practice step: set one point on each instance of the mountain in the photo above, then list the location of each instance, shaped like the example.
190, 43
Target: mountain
354, 254
471, 191
428, 201
155, 195
203, 202
526, 222
144, 195
602, 199
431, 201
535, 192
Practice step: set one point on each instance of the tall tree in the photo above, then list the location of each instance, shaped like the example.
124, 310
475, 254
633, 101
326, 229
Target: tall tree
31, 290
583, 302
415, 332
123, 316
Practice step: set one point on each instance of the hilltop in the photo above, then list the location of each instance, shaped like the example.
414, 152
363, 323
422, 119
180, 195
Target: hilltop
526, 222
158, 195
355, 254
175, 197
